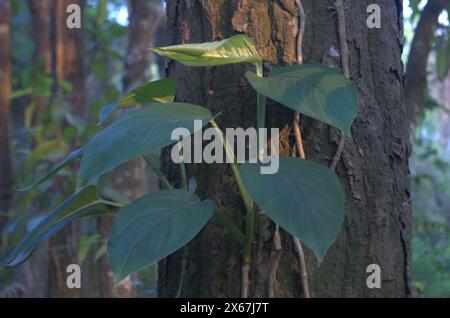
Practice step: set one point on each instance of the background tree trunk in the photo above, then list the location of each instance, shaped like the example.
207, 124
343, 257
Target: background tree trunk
373, 169
5, 84
69, 56
416, 72
42, 13
130, 178
67, 47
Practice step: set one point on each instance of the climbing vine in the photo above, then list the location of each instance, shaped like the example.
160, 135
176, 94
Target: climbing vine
304, 198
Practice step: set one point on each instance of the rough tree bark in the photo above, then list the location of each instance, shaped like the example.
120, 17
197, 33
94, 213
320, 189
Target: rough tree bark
130, 179
416, 71
5, 84
373, 169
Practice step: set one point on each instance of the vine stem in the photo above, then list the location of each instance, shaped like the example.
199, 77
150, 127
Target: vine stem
186, 249
227, 223
111, 203
184, 176
250, 215
248, 202
260, 101
261, 106
339, 4
299, 144
158, 172
297, 243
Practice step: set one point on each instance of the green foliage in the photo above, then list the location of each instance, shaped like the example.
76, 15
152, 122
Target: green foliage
430, 188
85, 245
315, 90
136, 134
303, 197
102, 12
81, 204
153, 227
67, 161
237, 49
431, 269
162, 91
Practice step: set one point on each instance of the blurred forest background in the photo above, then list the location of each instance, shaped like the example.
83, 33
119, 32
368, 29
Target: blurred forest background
60, 81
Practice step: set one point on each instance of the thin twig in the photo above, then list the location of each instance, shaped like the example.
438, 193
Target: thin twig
277, 250
298, 136
345, 69
298, 245
299, 143
184, 265
343, 38
338, 154
301, 31
304, 273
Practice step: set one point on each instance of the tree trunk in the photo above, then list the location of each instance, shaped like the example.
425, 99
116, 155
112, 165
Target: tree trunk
5, 84
67, 55
130, 178
41, 14
373, 169
416, 72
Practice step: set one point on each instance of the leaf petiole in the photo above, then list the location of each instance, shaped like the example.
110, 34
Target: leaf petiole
158, 172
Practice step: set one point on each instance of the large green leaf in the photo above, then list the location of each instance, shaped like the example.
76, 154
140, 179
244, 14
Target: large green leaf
161, 91
67, 161
237, 49
153, 227
303, 197
315, 90
138, 133
81, 204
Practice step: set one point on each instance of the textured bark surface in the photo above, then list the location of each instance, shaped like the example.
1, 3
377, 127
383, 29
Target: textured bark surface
5, 85
373, 169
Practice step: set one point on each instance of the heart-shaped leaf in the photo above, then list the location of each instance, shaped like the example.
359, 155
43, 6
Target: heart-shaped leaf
67, 161
138, 133
83, 203
315, 90
237, 49
303, 197
153, 227
161, 91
